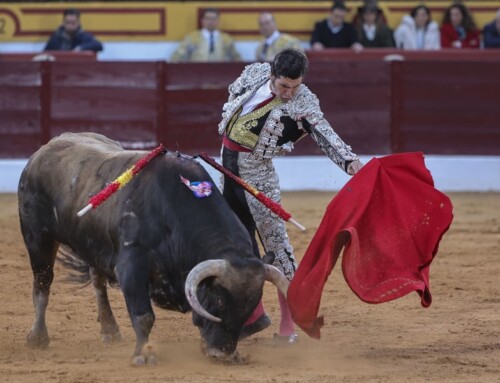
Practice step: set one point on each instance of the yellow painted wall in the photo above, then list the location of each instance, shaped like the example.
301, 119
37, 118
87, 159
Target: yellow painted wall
170, 21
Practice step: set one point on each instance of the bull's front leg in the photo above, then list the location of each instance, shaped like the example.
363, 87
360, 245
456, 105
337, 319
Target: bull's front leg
132, 271
110, 331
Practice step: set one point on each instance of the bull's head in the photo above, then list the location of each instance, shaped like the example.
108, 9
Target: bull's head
229, 292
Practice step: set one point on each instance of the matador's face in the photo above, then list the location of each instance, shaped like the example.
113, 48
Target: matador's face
285, 88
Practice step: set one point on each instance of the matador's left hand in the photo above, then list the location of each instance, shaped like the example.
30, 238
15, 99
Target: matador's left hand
354, 167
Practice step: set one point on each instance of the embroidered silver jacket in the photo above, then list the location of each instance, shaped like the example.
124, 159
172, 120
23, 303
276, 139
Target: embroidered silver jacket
304, 105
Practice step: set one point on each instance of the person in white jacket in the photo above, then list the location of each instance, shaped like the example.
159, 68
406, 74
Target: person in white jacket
418, 31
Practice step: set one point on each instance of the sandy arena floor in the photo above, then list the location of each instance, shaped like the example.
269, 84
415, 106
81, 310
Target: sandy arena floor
457, 339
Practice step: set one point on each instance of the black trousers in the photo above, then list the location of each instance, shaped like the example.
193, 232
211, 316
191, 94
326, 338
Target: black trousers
235, 196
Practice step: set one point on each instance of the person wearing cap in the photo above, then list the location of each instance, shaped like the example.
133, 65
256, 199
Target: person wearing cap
274, 41
334, 31
371, 28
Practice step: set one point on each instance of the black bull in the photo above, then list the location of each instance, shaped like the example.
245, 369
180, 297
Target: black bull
153, 238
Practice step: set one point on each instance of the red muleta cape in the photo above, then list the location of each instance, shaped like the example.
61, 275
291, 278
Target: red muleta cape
390, 219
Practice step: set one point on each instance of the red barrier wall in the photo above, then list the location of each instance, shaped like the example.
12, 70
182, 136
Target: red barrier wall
20, 108
446, 105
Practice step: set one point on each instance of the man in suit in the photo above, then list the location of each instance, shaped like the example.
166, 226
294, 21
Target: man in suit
207, 43
274, 41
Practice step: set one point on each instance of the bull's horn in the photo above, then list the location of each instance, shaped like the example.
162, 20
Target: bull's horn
275, 276
210, 268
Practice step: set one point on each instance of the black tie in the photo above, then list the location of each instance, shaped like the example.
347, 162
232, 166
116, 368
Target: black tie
264, 51
212, 43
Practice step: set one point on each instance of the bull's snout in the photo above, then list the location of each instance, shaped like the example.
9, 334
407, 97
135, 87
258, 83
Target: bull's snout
219, 356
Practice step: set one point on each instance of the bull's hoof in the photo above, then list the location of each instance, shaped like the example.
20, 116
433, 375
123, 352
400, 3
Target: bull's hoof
111, 338
146, 358
151, 360
143, 360
39, 340
138, 361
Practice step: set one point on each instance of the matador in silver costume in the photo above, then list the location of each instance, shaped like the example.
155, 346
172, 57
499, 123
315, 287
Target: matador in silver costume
268, 111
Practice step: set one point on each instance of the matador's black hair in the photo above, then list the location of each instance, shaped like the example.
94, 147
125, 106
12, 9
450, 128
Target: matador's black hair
290, 63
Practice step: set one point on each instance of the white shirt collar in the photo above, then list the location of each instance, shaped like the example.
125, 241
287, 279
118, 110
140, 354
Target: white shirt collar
370, 31
263, 93
334, 29
271, 39
206, 33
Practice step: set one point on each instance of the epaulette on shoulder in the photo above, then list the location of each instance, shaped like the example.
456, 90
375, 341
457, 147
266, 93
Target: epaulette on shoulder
256, 72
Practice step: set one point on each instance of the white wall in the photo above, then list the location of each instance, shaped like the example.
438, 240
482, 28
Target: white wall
450, 173
131, 51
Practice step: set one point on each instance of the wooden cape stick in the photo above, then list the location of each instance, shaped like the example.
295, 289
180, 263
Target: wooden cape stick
266, 201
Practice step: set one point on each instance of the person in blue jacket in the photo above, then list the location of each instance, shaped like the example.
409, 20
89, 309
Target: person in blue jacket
491, 33
71, 37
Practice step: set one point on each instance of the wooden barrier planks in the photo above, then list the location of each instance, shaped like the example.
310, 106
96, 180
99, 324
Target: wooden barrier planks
20, 108
446, 106
450, 108
194, 96
116, 99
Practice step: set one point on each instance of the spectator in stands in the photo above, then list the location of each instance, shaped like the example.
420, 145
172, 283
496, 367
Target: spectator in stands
417, 31
491, 33
71, 37
274, 41
334, 32
208, 43
371, 27
268, 110
458, 29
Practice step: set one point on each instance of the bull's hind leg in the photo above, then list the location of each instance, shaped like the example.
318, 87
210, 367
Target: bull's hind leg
110, 331
42, 251
133, 272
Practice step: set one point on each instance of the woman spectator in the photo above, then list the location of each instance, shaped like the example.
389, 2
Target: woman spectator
417, 31
458, 29
371, 28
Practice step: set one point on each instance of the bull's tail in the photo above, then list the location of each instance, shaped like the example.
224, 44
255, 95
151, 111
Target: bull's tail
80, 269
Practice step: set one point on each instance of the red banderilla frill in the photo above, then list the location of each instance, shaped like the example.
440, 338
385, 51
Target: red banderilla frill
121, 181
